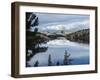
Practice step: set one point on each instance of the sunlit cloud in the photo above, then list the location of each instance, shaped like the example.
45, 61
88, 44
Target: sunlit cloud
68, 26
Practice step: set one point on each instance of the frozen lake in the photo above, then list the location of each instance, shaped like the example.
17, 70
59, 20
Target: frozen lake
79, 53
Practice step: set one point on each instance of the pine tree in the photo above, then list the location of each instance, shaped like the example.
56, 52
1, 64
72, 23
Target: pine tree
58, 63
66, 58
36, 64
33, 38
49, 61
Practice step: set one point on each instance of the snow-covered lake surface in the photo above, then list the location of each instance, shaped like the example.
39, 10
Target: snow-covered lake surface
79, 53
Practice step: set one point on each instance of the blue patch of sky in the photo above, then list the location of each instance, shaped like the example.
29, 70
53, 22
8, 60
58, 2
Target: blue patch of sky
45, 18
51, 21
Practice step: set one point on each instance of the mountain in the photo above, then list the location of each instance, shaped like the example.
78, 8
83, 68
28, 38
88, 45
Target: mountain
79, 36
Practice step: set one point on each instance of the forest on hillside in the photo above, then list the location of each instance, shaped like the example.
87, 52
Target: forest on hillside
81, 36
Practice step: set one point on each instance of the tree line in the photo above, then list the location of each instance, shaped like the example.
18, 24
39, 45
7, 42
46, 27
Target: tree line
81, 36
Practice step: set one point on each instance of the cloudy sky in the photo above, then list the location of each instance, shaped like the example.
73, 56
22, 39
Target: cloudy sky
49, 21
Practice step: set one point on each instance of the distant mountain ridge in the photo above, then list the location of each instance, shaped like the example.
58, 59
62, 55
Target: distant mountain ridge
81, 36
